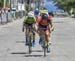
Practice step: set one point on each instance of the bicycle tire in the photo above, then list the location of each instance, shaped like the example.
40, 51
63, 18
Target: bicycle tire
44, 50
44, 44
30, 45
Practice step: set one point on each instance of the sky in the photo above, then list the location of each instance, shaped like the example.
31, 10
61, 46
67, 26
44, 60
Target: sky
50, 5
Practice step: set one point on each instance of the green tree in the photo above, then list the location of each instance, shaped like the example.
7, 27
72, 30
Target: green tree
66, 4
1, 4
7, 3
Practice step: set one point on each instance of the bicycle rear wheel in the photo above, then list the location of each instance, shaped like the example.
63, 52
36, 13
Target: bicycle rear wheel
30, 45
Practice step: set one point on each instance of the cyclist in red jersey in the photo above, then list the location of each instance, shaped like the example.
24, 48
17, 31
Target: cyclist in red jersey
45, 21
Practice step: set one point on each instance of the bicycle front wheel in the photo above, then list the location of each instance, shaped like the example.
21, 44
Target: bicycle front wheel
44, 48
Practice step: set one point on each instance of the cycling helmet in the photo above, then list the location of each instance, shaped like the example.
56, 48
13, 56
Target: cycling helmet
31, 14
36, 11
44, 16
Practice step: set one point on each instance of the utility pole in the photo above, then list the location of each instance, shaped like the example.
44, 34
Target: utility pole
10, 4
38, 3
28, 4
4, 4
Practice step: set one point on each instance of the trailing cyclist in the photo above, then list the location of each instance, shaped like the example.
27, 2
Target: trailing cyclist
43, 10
45, 21
29, 21
36, 12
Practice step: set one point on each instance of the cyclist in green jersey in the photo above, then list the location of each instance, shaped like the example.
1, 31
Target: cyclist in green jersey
29, 20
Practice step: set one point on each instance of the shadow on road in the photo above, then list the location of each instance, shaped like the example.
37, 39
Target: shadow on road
29, 55
37, 51
20, 41
26, 54
19, 53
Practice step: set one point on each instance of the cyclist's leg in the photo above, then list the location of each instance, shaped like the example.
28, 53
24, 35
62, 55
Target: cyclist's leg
26, 34
48, 36
39, 33
33, 42
33, 37
33, 33
48, 39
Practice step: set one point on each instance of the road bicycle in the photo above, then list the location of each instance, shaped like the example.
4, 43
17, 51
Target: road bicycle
44, 43
29, 38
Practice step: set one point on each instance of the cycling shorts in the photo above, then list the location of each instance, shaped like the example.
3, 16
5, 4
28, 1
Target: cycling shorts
45, 28
29, 25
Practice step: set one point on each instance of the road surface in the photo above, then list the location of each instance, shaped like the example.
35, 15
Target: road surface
12, 46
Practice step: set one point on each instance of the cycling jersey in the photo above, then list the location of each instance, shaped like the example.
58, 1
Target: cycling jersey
29, 20
42, 22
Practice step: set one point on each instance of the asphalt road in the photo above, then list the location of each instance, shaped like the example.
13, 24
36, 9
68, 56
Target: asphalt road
12, 46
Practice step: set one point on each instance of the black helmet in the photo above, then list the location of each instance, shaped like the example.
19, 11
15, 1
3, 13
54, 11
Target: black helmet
44, 16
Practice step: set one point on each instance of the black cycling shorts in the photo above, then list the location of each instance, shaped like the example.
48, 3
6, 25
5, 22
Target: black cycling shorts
41, 27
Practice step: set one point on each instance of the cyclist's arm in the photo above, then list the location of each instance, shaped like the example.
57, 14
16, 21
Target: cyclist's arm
36, 26
24, 24
37, 22
51, 25
34, 19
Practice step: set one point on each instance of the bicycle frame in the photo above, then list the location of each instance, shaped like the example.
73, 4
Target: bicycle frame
43, 37
29, 37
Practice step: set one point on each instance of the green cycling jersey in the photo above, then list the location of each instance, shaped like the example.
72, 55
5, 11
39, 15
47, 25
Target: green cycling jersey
29, 20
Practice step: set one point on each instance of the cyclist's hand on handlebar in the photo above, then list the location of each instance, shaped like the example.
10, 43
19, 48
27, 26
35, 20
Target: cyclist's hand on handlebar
36, 30
51, 30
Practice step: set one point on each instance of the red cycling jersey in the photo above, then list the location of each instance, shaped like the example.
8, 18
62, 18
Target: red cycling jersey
44, 23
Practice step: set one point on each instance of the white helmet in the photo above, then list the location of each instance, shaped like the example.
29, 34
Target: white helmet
31, 14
